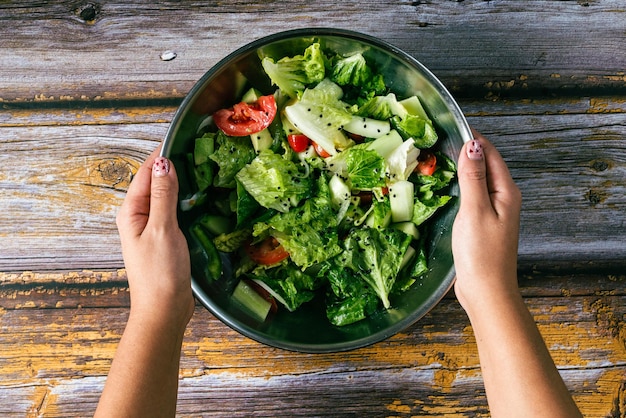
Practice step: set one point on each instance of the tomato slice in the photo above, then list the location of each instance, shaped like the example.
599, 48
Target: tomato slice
246, 118
320, 151
267, 252
298, 142
426, 163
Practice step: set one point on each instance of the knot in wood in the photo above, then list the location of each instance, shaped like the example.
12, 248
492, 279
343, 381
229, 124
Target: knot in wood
595, 196
88, 12
115, 173
599, 165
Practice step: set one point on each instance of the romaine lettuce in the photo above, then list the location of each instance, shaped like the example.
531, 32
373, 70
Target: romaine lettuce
293, 74
375, 256
273, 181
308, 232
231, 155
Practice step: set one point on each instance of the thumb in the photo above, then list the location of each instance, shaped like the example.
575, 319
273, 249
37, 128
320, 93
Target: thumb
472, 173
163, 193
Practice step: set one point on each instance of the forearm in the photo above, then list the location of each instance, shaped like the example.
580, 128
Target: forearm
143, 380
516, 365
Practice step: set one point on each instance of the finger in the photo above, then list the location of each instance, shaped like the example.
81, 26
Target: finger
503, 191
133, 214
163, 193
472, 173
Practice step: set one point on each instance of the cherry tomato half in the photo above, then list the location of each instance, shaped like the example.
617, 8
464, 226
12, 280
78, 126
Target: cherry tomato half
246, 118
426, 163
320, 151
267, 252
298, 142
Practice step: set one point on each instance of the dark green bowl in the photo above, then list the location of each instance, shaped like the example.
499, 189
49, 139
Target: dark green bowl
307, 329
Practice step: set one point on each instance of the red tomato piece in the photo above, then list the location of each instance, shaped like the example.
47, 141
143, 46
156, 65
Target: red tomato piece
267, 252
246, 118
426, 163
298, 142
320, 151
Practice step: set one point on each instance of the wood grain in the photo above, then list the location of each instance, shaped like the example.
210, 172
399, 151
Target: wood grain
430, 369
112, 50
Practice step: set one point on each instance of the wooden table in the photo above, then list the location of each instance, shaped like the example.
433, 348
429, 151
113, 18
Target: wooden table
85, 96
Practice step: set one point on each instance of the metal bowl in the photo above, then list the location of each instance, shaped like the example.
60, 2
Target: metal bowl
307, 329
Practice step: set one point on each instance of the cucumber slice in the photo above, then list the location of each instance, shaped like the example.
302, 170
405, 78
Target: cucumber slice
408, 228
251, 301
401, 201
367, 127
386, 144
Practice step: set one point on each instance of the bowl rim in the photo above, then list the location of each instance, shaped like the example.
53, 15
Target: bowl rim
446, 283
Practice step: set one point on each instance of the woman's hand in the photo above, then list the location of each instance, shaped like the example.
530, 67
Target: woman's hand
155, 251
486, 229
520, 377
143, 380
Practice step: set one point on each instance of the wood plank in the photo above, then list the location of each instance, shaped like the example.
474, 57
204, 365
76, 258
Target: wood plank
112, 50
54, 361
66, 185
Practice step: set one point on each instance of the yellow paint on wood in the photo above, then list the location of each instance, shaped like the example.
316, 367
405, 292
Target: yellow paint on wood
71, 277
398, 407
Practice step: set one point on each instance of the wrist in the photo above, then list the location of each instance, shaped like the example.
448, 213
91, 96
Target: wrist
159, 319
477, 295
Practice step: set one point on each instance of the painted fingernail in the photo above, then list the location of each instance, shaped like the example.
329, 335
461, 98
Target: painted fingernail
474, 150
161, 167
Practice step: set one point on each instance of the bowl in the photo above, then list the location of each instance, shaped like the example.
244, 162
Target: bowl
307, 329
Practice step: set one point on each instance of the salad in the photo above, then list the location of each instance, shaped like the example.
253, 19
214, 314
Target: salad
320, 188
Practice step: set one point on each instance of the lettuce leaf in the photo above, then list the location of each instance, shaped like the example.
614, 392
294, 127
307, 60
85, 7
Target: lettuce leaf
375, 256
291, 286
293, 74
307, 232
273, 181
232, 154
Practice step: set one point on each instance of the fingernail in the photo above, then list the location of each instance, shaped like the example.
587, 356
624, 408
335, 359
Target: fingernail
475, 150
161, 167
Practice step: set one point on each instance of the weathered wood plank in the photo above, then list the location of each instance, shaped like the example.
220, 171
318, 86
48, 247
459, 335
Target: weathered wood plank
112, 50
62, 187
54, 362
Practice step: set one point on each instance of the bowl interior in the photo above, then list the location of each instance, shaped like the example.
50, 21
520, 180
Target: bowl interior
307, 329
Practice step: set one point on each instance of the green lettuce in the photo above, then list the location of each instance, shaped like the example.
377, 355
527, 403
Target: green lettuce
273, 181
414, 126
423, 210
307, 232
360, 82
293, 74
375, 256
232, 154
382, 108
289, 285
365, 169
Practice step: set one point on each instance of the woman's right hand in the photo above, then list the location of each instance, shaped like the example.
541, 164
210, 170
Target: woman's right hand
486, 230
